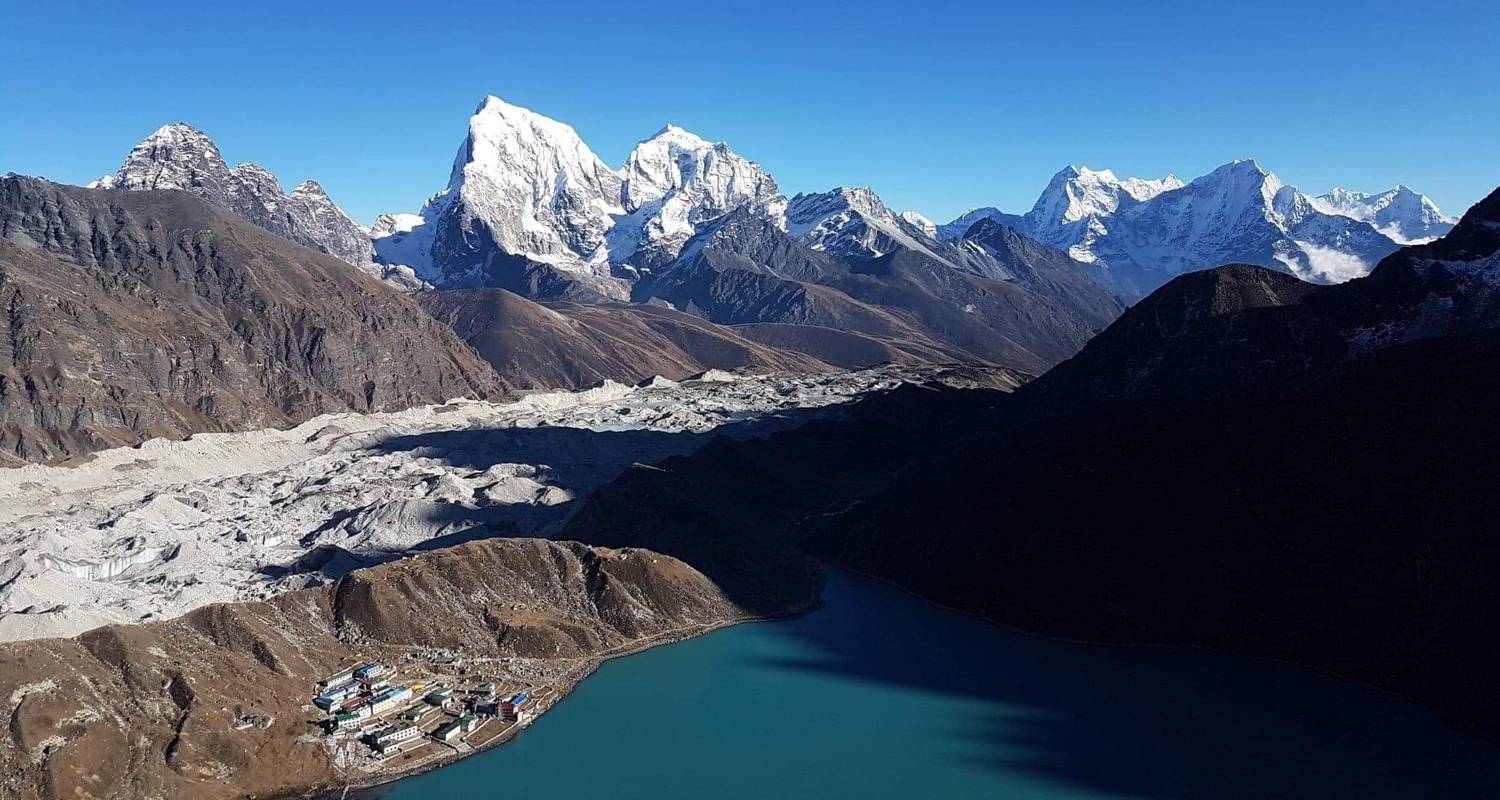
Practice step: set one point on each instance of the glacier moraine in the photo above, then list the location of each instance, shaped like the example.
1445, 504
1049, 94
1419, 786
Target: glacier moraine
154, 531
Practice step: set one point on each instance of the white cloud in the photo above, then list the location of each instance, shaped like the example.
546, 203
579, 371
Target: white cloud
1325, 264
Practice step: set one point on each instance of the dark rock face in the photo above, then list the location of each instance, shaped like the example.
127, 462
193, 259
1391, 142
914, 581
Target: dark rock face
140, 314
467, 241
1204, 331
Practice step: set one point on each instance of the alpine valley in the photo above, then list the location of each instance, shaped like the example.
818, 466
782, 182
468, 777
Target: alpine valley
290, 505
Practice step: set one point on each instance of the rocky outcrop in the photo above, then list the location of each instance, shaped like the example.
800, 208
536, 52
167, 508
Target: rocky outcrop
131, 315
179, 156
160, 710
324, 226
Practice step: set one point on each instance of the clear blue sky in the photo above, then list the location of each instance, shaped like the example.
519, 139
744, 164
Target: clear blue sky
938, 105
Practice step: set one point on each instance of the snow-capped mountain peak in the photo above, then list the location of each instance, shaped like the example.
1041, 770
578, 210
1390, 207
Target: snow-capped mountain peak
1339, 199
1076, 193
175, 143
1143, 189
1142, 232
852, 222
920, 221
960, 225
310, 188
1405, 215
676, 159
525, 186
1238, 212
807, 210
1242, 188
534, 185
1069, 213
679, 135
394, 224
675, 181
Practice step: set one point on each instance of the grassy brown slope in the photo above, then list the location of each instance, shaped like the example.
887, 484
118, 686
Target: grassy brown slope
149, 710
567, 345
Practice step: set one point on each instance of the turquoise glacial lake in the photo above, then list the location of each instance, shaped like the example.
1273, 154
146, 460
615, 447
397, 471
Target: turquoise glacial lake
880, 695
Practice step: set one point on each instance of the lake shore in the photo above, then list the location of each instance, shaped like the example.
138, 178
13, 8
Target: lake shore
983, 710
563, 688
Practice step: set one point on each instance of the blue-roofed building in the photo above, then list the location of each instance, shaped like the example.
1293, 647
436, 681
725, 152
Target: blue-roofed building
374, 669
511, 708
335, 697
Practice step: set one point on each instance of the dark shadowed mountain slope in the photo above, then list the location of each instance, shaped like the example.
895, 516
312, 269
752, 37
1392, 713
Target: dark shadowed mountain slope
140, 314
739, 511
842, 348
991, 292
1246, 462
1204, 331
1340, 521
1252, 464
1000, 251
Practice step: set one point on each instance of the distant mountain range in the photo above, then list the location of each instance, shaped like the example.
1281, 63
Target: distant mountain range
685, 223
528, 207
1139, 234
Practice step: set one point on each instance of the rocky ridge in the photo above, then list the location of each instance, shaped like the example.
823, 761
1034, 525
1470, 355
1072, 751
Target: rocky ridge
179, 156
155, 313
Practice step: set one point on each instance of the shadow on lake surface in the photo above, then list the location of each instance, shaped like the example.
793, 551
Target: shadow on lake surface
882, 695
1140, 721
